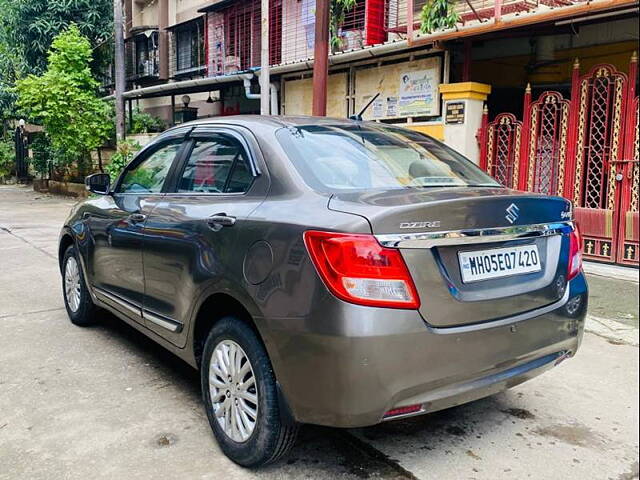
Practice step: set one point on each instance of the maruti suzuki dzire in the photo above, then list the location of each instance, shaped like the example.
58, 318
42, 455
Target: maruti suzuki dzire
326, 271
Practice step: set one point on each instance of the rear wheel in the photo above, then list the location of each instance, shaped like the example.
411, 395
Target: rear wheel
77, 299
240, 396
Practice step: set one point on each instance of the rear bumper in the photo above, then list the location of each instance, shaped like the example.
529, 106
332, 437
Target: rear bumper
347, 365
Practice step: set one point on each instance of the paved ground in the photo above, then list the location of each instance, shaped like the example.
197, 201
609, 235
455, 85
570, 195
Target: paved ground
104, 402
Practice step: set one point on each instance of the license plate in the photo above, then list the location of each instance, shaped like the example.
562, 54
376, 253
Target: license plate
498, 262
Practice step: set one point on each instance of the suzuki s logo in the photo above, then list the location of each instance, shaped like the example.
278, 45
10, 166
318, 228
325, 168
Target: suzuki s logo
513, 212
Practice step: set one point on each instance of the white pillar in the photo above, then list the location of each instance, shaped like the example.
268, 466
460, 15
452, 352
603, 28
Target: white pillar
264, 60
462, 116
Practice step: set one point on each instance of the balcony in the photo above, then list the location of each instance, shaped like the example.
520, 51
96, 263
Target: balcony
141, 53
469, 11
187, 49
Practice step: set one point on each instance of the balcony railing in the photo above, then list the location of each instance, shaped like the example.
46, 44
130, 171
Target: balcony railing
187, 49
469, 11
141, 53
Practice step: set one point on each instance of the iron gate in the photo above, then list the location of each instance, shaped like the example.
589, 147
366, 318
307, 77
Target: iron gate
585, 149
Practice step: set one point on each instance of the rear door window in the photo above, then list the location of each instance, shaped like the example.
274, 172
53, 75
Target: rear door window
217, 164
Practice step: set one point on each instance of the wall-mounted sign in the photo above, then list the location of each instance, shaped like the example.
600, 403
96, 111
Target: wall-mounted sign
454, 113
392, 106
407, 88
418, 94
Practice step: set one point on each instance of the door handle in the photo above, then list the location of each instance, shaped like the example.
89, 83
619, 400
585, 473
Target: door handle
221, 219
137, 218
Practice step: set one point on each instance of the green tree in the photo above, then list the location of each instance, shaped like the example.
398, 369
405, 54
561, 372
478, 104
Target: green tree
28, 27
64, 101
337, 12
7, 159
125, 152
438, 15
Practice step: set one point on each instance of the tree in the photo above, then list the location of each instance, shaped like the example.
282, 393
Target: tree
438, 15
29, 27
64, 100
337, 13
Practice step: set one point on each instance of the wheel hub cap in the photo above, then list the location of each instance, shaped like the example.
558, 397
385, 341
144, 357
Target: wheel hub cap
233, 391
72, 284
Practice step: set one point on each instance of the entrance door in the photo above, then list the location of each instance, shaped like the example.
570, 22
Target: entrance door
597, 186
628, 224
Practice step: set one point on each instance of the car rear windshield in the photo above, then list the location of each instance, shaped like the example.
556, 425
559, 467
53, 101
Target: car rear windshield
367, 156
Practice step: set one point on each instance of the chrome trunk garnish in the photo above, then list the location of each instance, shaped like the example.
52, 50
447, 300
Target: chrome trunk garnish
480, 235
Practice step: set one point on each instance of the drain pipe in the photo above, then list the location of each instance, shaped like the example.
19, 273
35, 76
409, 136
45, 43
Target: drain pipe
273, 91
273, 88
246, 80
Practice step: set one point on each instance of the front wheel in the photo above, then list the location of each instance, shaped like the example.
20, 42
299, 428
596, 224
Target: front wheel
240, 396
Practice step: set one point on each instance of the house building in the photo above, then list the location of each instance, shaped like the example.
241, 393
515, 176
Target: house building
541, 93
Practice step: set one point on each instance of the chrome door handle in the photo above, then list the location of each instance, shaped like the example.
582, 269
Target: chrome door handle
221, 219
137, 218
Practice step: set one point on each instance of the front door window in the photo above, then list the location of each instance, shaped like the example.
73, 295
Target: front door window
149, 175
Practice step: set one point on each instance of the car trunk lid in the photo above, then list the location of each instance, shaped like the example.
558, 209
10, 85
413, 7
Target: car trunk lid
446, 299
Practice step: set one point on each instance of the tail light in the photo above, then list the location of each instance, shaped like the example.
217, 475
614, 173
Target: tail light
356, 268
575, 254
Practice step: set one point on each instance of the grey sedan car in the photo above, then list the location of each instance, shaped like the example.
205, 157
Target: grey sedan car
326, 271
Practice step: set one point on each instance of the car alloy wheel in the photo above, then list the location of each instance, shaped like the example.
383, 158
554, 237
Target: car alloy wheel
232, 386
72, 284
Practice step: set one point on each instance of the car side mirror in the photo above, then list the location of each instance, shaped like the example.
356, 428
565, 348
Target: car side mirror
99, 183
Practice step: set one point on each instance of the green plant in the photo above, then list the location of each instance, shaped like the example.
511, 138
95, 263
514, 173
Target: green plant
28, 28
124, 153
64, 101
437, 15
337, 13
42, 155
143, 122
7, 159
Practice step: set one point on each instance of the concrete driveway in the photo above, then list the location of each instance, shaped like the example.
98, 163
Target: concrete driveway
104, 402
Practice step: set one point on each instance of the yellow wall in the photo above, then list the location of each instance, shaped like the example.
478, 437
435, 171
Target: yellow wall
299, 95
511, 72
436, 130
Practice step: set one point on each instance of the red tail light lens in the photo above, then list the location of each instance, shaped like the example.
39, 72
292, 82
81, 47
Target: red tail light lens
403, 411
356, 268
575, 254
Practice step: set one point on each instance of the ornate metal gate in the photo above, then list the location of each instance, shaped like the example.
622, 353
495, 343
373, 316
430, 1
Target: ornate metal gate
628, 237
547, 127
502, 140
599, 146
585, 148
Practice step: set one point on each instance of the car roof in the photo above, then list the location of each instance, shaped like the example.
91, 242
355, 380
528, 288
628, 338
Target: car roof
267, 121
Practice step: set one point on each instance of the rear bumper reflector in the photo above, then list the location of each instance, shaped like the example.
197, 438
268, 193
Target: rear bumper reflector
403, 410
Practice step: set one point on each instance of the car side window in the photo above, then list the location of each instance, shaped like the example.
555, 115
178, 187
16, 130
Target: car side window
149, 175
217, 164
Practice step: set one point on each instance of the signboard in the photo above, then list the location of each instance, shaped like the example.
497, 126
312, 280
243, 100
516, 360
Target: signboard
392, 106
418, 93
407, 89
454, 113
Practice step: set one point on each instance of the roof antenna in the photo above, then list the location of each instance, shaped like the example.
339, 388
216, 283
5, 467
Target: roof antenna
358, 117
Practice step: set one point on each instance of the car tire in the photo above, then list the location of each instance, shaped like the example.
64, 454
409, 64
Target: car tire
273, 433
77, 300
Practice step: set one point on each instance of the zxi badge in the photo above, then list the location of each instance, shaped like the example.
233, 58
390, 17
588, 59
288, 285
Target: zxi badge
513, 212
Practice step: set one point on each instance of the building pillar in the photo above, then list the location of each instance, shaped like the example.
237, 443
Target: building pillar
163, 39
462, 117
128, 17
